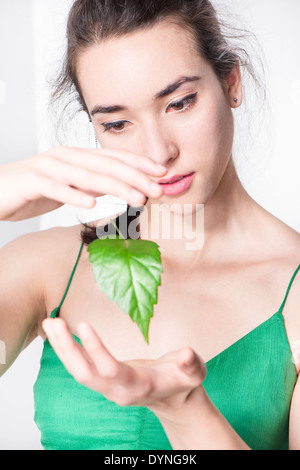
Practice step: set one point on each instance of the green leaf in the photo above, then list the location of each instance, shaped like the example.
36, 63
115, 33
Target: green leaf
129, 273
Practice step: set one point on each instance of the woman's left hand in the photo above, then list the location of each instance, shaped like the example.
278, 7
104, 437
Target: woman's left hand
162, 385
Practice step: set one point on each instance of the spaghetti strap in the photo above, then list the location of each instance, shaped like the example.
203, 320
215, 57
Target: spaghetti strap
56, 311
288, 289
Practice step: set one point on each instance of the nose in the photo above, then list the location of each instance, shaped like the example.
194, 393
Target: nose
159, 146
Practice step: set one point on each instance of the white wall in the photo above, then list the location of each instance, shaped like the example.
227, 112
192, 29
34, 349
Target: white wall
31, 42
18, 139
17, 101
272, 175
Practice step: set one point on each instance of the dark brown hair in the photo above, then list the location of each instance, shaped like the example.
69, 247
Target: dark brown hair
93, 21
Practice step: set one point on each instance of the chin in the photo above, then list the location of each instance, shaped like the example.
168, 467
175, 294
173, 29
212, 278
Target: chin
186, 206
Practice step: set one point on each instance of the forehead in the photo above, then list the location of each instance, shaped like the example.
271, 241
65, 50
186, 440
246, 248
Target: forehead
144, 60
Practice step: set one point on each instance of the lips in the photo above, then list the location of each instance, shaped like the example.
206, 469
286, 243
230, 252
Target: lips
173, 179
173, 188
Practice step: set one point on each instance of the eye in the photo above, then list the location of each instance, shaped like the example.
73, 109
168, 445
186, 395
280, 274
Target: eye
116, 127
183, 104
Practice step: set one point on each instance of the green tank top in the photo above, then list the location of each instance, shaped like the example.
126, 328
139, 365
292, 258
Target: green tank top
251, 383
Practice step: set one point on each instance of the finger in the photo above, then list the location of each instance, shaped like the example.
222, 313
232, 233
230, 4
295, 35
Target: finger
140, 162
38, 185
191, 364
106, 365
121, 382
68, 350
108, 176
127, 168
78, 156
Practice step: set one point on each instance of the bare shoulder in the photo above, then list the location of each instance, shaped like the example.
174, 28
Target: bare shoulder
46, 247
61, 243
289, 256
282, 245
289, 262
40, 248
285, 264
59, 247
32, 265
287, 242
276, 239
291, 309
46, 258
52, 251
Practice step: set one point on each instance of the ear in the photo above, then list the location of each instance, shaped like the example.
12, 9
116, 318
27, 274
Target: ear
234, 87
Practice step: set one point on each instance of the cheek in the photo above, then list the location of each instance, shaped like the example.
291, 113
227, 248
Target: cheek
209, 137
132, 141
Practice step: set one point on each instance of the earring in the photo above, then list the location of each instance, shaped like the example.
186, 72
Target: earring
96, 142
235, 100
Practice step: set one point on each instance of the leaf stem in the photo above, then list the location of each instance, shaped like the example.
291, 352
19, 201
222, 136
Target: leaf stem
119, 232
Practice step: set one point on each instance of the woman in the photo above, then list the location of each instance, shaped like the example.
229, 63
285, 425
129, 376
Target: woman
159, 83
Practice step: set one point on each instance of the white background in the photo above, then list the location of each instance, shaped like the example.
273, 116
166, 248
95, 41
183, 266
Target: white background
31, 45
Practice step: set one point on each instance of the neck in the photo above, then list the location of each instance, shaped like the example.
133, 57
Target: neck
190, 237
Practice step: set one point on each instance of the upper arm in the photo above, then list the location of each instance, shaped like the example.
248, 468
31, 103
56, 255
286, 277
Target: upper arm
21, 294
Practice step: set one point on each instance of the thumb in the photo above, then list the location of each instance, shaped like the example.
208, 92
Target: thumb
191, 363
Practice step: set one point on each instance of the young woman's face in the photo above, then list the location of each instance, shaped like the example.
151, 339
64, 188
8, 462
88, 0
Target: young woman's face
152, 94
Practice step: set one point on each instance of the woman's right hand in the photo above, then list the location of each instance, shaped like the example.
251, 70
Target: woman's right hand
76, 176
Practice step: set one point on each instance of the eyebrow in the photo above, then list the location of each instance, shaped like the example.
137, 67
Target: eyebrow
162, 94
174, 86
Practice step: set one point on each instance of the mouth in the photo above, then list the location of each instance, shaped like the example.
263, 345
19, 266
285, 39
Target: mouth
177, 184
174, 179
